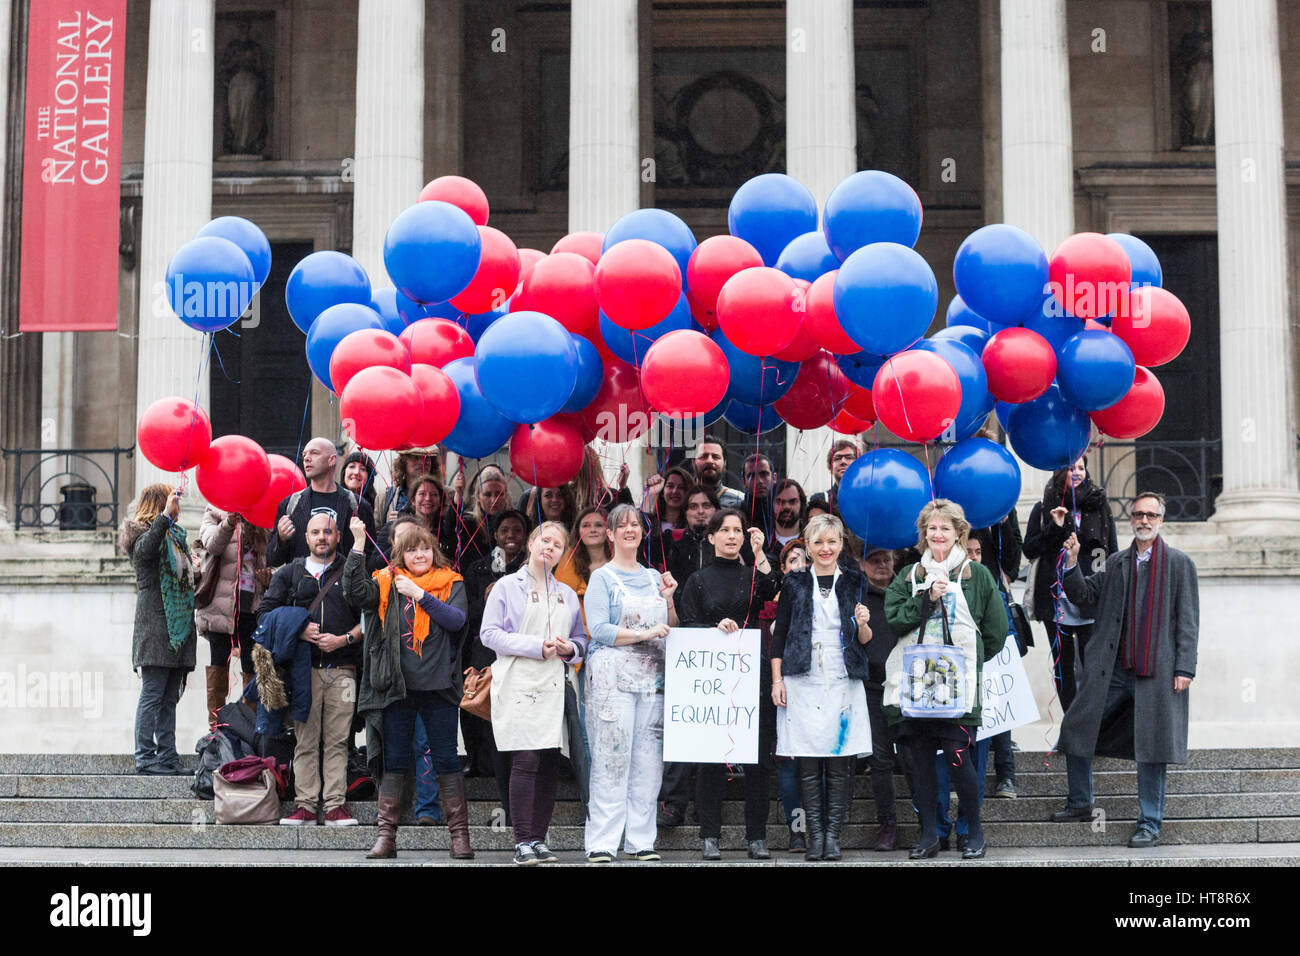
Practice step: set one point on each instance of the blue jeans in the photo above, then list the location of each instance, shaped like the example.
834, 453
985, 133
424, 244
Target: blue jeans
426, 781
945, 788
1150, 776
787, 788
439, 718
155, 717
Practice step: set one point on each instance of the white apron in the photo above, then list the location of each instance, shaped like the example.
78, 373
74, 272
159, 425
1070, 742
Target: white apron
826, 710
961, 627
528, 694
641, 665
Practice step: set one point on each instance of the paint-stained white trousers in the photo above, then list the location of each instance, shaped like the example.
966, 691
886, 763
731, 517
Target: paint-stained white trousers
625, 735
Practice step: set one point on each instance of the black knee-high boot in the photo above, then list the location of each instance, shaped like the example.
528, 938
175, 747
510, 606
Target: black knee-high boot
839, 787
810, 792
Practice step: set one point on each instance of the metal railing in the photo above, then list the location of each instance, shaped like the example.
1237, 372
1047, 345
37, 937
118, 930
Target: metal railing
1187, 473
89, 499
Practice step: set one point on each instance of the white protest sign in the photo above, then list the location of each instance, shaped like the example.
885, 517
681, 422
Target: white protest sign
1008, 700
711, 695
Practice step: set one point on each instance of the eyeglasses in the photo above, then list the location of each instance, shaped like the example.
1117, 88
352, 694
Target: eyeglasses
845, 457
1146, 515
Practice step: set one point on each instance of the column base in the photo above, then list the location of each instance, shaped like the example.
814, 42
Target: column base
1261, 511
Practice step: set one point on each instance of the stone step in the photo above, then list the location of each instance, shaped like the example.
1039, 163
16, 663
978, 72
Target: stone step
485, 812
1026, 762
208, 836
1045, 784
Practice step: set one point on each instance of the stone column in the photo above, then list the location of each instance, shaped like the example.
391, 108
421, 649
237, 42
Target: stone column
1037, 145
821, 149
176, 199
604, 137
389, 146
1258, 380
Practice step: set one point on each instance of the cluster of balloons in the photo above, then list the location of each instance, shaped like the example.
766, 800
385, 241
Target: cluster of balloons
793, 317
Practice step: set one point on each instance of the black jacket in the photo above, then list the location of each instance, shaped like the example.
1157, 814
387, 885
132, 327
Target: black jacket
479, 576
792, 632
1001, 546
293, 586
340, 500
1044, 540
882, 640
726, 589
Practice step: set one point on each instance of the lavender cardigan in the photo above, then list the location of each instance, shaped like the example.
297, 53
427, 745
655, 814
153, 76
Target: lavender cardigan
504, 613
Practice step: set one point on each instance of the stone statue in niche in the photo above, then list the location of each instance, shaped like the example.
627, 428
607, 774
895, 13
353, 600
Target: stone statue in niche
243, 76
868, 135
1195, 60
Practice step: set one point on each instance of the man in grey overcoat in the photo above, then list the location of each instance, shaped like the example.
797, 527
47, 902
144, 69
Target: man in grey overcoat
1133, 698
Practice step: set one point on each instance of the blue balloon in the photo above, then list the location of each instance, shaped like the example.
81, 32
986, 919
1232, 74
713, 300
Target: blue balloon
1049, 433
976, 402
959, 313
591, 375
807, 257
321, 280
1001, 273
871, 206
413, 312
248, 237
1095, 369
330, 328
432, 251
860, 368
969, 336
480, 429
881, 496
755, 380
769, 211
209, 283
1054, 324
751, 419
384, 301
885, 296
657, 225
1003, 410
527, 366
705, 420
631, 346
1143, 259
982, 477
478, 323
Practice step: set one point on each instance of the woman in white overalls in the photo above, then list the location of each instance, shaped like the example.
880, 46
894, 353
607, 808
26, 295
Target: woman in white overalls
818, 668
534, 623
945, 593
629, 611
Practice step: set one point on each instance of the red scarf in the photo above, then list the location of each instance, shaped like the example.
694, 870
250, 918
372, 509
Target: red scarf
1142, 627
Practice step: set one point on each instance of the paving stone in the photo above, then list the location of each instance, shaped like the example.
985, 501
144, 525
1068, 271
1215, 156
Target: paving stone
1286, 830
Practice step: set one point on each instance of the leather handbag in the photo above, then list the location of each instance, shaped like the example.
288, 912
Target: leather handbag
209, 574
1030, 581
477, 697
255, 801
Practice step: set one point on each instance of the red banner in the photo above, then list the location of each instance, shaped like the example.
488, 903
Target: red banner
72, 165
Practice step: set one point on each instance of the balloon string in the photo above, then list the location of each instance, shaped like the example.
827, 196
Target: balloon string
194, 415
212, 346
302, 428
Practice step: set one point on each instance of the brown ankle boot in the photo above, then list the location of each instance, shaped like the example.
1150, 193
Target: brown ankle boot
218, 687
390, 811
455, 810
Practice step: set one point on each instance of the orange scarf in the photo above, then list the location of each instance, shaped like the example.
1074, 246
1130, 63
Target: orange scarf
436, 581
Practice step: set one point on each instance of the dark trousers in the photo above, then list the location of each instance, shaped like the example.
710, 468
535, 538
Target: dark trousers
1063, 639
219, 644
155, 717
709, 781
1004, 758
926, 794
881, 763
675, 791
439, 717
534, 778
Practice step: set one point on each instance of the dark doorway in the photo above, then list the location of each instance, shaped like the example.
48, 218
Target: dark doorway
261, 387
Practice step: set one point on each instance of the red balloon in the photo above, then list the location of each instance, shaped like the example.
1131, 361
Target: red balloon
585, 244
173, 434
1090, 275
714, 261
846, 424
637, 283
286, 478
497, 276
461, 192
1154, 324
859, 404
619, 412
1020, 365
917, 395
820, 319
380, 408
234, 473
549, 453
757, 310
804, 345
441, 406
563, 287
436, 342
817, 395
1137, 412
365, 348
684, 373
528, 258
